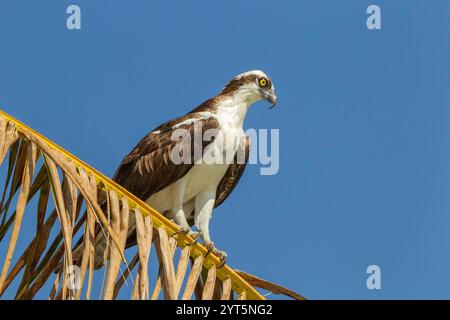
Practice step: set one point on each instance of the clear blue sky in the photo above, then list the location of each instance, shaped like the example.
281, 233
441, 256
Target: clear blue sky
364, 119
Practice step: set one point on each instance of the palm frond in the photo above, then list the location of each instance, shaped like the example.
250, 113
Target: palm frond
68, 196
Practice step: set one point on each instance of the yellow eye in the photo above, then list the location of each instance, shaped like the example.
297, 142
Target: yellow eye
262, 82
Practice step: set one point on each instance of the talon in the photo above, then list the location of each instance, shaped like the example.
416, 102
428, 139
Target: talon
210, 247
192, 243
222, 255
195, 236
181, 231
224, 262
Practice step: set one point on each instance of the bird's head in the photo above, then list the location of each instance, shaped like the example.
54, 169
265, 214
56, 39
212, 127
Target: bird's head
251, 87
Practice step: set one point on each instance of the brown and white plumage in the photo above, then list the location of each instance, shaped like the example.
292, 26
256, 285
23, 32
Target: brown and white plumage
188, 192
148, 168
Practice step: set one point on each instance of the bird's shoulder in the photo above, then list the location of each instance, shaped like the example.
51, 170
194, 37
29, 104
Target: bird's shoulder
163, 136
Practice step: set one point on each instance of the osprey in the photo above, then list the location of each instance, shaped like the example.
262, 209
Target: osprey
187, 191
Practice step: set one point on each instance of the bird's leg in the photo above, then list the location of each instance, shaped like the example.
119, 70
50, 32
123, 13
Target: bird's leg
180, 220
180, 213
223, 256
204, 204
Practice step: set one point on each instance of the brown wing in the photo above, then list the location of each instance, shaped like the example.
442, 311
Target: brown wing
149, 167
233, 174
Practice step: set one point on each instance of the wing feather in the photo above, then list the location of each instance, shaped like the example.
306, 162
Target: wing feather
233, 174
148, 168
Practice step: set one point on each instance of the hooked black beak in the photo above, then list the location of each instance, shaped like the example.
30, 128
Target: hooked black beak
272, 98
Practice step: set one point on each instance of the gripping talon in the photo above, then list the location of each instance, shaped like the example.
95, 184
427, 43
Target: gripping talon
210, 247
180, 231
193, 242
222, 255
224, 262
177, 233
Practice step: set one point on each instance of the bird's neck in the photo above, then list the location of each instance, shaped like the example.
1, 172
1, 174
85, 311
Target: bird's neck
233, 108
